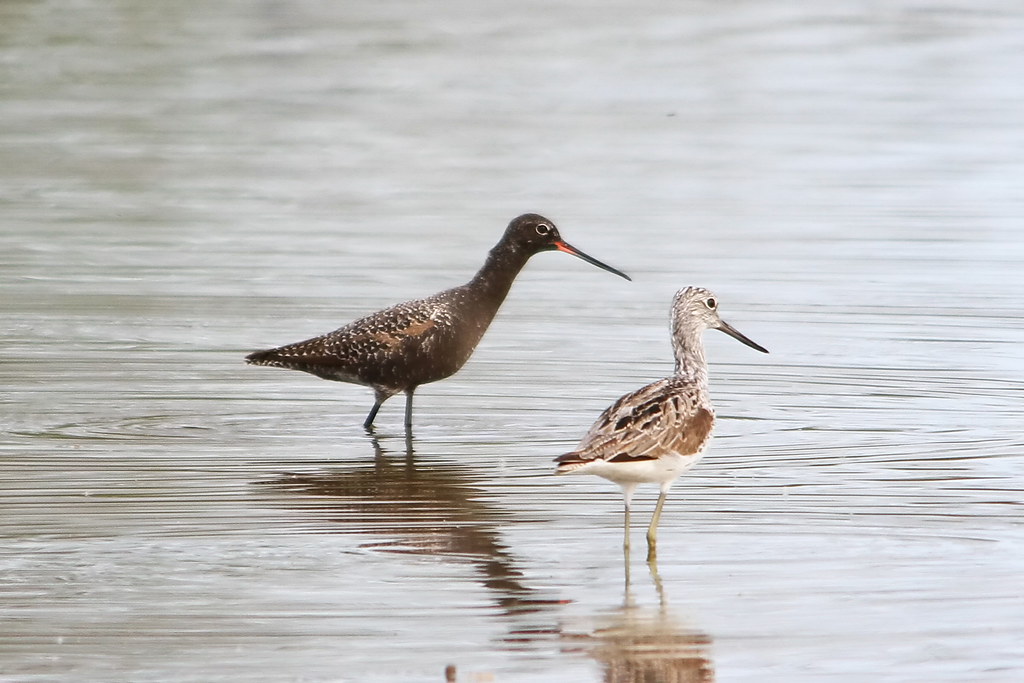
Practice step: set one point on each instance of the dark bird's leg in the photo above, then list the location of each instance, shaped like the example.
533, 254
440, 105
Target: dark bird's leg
379, 397
408, 409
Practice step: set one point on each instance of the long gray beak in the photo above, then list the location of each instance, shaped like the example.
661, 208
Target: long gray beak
736, 334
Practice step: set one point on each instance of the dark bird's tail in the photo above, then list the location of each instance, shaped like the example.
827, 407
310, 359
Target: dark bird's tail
268, 357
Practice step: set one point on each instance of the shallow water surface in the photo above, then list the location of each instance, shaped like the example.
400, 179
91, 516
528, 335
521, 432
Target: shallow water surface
185, 183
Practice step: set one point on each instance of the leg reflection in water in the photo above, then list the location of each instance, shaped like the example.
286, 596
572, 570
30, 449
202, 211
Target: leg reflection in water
636, 644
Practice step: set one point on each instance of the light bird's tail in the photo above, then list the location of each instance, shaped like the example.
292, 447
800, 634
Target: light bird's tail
570, 462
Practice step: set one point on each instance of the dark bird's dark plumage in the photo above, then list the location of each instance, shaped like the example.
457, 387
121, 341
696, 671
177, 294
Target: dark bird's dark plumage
399, 348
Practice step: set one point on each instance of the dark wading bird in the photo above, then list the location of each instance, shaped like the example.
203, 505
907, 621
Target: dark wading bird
416, 342
654, 434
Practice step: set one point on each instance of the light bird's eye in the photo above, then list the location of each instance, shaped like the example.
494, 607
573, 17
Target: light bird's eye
543, 229
711, 303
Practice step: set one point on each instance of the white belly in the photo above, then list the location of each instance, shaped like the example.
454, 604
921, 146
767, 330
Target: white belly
665, 469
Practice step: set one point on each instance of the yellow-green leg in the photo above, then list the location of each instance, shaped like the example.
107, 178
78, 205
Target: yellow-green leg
625, 532
627, 495
652, 530
625, 546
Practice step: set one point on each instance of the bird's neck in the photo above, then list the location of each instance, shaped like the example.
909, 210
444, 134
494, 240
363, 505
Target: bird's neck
498, 273
690, 362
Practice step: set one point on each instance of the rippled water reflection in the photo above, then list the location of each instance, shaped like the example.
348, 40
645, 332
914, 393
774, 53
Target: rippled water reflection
185, 183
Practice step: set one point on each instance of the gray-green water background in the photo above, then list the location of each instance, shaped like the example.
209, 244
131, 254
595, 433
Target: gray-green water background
184, 182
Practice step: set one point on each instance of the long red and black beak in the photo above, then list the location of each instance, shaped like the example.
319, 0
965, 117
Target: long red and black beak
569, 249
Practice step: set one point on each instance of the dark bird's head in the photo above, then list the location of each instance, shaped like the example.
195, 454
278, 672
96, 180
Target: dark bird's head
533, 234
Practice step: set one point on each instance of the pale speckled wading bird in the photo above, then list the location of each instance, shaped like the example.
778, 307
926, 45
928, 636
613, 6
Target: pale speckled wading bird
416, 342
655, 434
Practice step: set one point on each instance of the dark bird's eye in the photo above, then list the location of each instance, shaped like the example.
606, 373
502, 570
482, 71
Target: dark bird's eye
711, 303
543, 229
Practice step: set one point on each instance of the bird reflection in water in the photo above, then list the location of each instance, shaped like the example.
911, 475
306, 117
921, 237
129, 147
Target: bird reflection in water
636, 644
434, 511
438, 511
